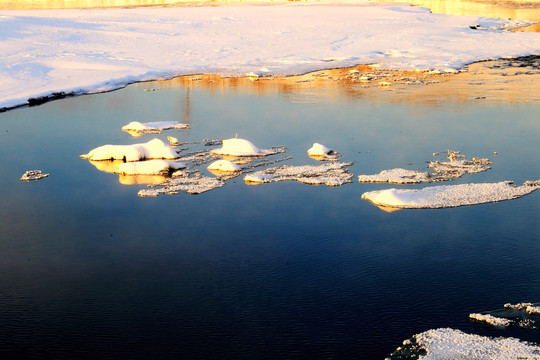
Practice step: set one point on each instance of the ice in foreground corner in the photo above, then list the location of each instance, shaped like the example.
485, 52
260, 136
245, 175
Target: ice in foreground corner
449, 343
445, 196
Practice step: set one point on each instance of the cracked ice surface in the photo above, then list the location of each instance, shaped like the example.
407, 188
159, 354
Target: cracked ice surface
331, 174
454, 168
445, 196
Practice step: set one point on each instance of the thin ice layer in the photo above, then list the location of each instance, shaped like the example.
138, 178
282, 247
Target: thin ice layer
330, 174
445, 196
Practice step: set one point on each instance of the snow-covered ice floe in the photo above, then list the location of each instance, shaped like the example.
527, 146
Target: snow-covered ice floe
323, 153
446, 343
445, 196
522, 315
224, 165
33, 175
150, 167
243, 148
491, 320
330, 174
153, 149
454, 168
137, 128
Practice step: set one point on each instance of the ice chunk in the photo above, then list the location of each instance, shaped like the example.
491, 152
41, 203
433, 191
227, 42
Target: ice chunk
149, 167
330, 174
449, 343
183, 182
33, 175
238, 147
491, 320
396, 176
137, 128
173, 141
224, 165
449, 195
153, 149
319, 150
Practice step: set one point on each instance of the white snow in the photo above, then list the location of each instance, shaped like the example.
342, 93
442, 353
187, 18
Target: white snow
396, 176
224, 165
238, 147
491, 320
454, 344
330, 174
153, 127
153, 149
319, 150
33, 175
86, 51
449, 195
182, 182
149, 167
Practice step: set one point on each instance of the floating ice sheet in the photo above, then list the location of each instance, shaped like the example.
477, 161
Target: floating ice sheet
330, 174
323, 153
522, 315
33, 175
136, 128
454, 168
491, 320
439, 344
445, 196
183, 182
153, 149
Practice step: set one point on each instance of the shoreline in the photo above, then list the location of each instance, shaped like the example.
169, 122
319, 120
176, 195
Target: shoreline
481, 80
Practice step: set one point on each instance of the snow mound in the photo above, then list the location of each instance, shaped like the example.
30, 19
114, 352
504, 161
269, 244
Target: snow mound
331, 174
491, 320
454, 168
396, 176
224, 165
153, 149
446, 343
445, 196
323, 153
238, 147
137, 128
33, 175
149, 167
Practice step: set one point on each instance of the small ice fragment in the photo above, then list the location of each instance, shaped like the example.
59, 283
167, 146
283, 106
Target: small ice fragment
173, 141
384, 83
153, 127
153, 149
396, 176
491, 320
33, 175
238, 147
319, 150
224, 165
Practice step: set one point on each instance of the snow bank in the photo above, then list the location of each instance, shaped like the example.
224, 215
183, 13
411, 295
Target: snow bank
224, 165
445, 196
149, 167
153, 149
33, 175
331, 174
86, 51
448, 343
153, 127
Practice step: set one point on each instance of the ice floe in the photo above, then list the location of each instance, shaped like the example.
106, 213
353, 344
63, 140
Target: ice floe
491, 320
454, 168
330, 174
136, 128
33, 175
149, 167
528, 307
153, 149
446, 343
224, 165
173, 141
323, 153
444, 196
236, 147
182, 182
522, 315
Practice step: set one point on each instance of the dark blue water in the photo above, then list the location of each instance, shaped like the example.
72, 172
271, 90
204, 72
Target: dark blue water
277, 271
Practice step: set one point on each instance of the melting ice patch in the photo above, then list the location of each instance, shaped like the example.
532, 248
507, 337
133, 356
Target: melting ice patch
448, 343
331, 174
153, 149
136, 128
445, 196
454, 168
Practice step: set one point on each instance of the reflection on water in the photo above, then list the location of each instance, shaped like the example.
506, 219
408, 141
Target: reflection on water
506, 9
